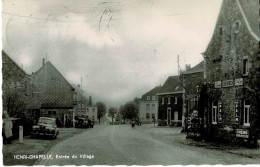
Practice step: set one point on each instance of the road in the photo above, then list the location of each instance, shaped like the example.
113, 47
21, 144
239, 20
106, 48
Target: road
122, 145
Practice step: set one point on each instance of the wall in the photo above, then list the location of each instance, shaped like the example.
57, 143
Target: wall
224, 61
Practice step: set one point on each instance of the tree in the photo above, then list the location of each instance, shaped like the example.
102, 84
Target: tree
131, 110
112, 112
101, 110
14, 103
122, 112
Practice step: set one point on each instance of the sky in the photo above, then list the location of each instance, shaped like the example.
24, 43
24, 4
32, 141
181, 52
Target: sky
120, 48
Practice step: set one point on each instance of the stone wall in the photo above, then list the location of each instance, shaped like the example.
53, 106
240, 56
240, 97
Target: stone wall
224, 61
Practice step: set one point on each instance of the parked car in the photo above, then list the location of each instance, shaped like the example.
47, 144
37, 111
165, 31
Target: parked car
81, 122
46, 127
90, 124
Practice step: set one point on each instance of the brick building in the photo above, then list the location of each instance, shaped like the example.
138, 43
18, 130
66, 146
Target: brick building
16, 87
170, 101
52, 94
231, 60
192, 80
148, 106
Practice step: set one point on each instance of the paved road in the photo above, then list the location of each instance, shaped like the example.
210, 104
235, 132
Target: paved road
121, 145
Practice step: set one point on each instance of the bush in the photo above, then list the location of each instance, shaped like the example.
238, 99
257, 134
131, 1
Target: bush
162, 123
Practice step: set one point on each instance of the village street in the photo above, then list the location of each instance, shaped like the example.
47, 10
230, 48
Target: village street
122, 145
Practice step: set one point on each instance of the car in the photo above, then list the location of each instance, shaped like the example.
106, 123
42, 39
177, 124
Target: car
45, 127
81, 122
90, 124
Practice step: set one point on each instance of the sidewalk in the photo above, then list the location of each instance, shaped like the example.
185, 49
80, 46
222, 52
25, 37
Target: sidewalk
173, 136
33, 147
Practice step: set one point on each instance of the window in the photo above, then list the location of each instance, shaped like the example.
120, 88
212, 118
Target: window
175, 100
79, 105
169, 100
148, 97
236, 26
153, 107
246, 112
52, 112
82, 105
93, 109
147, 115
153, 116
162, 100
153, 98
147, 107
245, 66
214, 112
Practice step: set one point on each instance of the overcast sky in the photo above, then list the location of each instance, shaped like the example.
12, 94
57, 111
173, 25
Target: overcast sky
120, 48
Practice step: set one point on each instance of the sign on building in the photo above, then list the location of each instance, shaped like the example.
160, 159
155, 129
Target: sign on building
227, 83
218, 84
242, 133
239, 82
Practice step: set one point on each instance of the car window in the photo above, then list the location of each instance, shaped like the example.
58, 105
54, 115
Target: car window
46, 121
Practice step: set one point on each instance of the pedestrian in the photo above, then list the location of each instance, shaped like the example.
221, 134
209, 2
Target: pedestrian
8, 125
133, 123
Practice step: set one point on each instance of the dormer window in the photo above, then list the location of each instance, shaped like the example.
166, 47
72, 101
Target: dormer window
220, 30
148, 97
153, 98
169, 100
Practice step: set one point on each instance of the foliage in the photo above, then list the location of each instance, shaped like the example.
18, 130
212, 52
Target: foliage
112, 112
14, 103
131, 110
101, 110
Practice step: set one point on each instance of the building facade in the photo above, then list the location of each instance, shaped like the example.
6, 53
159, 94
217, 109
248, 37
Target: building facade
54, 95
148, 106
192, 79
170, 102
16, 88
231, 63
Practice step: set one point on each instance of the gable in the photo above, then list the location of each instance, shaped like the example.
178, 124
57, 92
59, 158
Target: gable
52, 89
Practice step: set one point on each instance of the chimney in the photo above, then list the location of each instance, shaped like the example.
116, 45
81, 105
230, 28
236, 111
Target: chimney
90, 100
187, 67
43, 61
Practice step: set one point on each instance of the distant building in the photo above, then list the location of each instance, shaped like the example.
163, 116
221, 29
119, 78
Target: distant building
91, 110
148, 106
232, 65
16, 83
170, 101
53, 94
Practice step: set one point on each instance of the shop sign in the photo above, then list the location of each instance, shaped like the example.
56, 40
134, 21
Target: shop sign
218, 84
239, 82
242, 133
227, 83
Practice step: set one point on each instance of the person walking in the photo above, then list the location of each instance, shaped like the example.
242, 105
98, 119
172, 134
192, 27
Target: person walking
133, 123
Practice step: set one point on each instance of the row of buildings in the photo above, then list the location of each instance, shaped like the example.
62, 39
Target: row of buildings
43, 93
223, 91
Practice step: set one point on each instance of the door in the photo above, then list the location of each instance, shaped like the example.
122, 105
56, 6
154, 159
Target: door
168, 116
176, 116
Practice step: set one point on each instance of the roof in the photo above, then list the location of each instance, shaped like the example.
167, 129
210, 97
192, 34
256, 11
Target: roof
171, 86
51, 89
198, 68
250, 12
5, 54
152, 92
